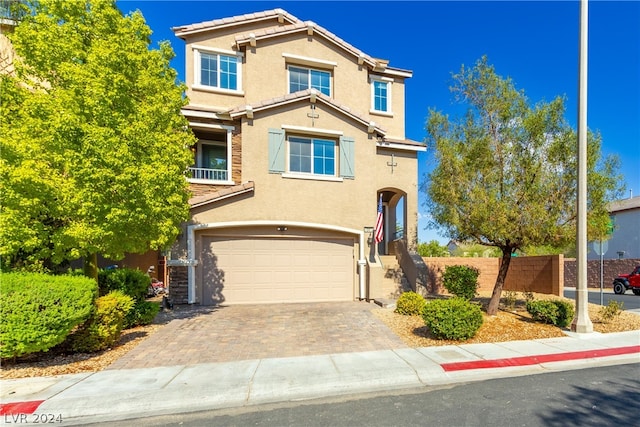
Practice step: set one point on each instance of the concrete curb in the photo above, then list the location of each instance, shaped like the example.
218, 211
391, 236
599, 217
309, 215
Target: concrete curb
135, 393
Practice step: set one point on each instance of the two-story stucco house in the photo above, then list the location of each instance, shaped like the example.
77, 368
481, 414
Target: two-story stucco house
624, 242
300, 134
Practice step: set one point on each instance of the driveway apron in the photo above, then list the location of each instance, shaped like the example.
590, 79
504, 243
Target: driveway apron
196, 334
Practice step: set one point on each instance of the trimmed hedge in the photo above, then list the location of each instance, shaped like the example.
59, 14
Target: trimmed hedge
461, 281
556, 312
410, 304
38, 311
103, 328
453, 318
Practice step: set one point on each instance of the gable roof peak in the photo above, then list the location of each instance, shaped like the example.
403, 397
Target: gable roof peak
282, 15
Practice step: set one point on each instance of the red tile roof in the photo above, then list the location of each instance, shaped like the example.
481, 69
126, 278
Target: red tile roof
184, 30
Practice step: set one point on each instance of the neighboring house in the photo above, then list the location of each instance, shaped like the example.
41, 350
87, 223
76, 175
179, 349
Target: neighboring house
299, 135
624, 243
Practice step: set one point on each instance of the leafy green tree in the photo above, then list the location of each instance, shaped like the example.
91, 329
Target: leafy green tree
94, 146
506, 173
432, 249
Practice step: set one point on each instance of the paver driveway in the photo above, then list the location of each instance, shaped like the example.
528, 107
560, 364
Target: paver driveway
223, 334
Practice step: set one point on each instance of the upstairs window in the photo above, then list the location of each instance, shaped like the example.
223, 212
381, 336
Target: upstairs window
307, 78
329, 156
311, 155
380, 95
217, 70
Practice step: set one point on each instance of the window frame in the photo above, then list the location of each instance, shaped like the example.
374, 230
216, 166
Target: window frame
198, 51
312, 140
309, 85
373, 80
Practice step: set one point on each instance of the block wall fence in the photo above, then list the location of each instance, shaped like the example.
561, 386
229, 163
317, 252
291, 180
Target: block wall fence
542, 274
612, 267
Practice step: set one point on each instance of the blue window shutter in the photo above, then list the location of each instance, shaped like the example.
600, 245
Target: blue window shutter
347, 157
276, 151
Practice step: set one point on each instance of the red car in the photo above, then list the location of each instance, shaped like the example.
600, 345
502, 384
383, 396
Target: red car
627, 281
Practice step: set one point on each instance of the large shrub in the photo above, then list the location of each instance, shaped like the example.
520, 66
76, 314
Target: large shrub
555, 312
132, 282
142, 313
453, 319
103, 328
410, 304
38, 311
461, 280
135, 284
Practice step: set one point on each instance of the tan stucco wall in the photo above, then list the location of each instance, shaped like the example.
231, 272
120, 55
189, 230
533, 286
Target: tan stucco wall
264, 76
351, 203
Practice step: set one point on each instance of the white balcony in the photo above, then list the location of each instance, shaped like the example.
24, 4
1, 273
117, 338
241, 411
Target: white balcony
206, 174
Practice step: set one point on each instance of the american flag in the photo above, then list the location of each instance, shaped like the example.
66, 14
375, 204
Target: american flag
379, 225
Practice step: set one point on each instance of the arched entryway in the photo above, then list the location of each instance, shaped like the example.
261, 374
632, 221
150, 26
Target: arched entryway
394, 210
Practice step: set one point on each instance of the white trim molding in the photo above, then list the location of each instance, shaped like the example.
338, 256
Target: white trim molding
305, 60
197, 78
312, 131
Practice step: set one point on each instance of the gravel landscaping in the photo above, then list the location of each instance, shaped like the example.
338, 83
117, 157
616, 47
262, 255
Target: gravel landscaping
510, 324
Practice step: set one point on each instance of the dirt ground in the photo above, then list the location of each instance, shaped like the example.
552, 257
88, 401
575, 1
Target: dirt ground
510, 324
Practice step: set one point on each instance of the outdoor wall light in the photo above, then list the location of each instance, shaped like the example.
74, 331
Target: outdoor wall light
281, 228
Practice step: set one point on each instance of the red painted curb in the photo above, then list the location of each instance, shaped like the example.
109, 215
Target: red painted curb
19, 407
534, 360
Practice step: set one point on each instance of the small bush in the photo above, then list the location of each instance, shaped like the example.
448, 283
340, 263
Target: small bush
565, 313
132, 282
528, 296
461, 281
543, 311
557, 312
103, 328
142, 313
453, 319
611, 310
410, 304
510, 298
38, 311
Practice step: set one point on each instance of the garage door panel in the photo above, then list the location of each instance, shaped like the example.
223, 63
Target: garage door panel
262, 270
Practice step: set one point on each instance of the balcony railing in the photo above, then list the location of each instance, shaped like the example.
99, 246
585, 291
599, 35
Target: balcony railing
209, 174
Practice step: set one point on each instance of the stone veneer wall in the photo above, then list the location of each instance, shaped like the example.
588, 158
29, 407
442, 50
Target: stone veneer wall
612, 267
178, 284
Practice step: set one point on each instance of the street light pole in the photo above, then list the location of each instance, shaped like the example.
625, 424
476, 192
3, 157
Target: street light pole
581, 323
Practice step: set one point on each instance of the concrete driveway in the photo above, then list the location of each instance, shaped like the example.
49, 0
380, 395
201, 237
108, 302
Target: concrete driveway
196, 334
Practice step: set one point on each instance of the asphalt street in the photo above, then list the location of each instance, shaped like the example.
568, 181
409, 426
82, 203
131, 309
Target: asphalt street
631, 301
605, 396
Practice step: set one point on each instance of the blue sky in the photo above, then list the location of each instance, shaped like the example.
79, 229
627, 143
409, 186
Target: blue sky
534, 43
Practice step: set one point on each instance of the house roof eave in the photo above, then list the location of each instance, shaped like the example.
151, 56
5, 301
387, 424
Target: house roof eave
313, 96
183, 31
225, 193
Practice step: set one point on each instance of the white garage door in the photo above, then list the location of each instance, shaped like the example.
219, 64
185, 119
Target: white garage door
266, 270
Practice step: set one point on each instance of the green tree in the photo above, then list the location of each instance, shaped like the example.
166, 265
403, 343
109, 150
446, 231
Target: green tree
506, 173
432, 249
94, 146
